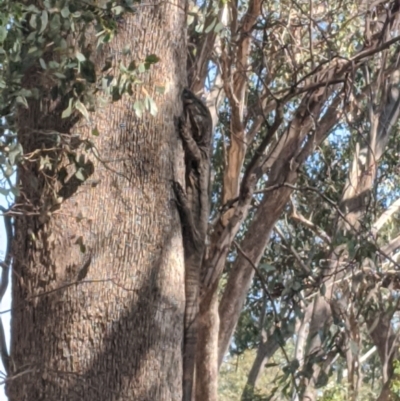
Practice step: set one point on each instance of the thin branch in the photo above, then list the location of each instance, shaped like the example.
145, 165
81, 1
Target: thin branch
309, 224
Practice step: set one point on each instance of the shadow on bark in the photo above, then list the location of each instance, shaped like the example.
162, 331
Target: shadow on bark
122, 365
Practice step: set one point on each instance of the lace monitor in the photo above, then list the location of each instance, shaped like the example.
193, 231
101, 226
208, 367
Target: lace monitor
195, 130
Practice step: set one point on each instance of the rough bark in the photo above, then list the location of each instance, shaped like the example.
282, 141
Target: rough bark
106, 324
207, 350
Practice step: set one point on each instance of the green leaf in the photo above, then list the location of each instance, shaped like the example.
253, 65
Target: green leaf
190, 19
32, 49
33, 21
55, 23
80, 174
8, 172
80, 57
199, 28
107, 38
126, 50
25, 92
267, 267
118, 10
14, 153
88, 71
116, 95
44, 19
68, 111
33, 9
211, 26
31, 37
65, 12
95, 132
219, 27
53, 64
132, 66
152, 107
3, 33
22, 100
152, 59
82, 109
63, 44
88, 16
42, 63
138, 107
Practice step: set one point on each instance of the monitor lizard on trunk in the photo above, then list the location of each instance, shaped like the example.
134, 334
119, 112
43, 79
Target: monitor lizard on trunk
195, 129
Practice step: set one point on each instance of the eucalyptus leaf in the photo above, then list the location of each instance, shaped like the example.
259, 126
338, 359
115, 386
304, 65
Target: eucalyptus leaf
3, 33
55, 23
80, 57
95, 132
68, 111
33, 21
65, 12
44, 19
152, 59
82, 109
42, 63
14, 153
80, 174
138, 107
153, 108
211, 26
22, 100
219, 27
8, 172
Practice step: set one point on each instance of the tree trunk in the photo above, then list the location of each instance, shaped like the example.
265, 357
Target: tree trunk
265, 350
104, 324
207, 350
285, 152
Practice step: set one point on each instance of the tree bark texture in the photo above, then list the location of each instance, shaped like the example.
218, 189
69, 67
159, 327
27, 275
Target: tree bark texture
107, 323
207, 350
